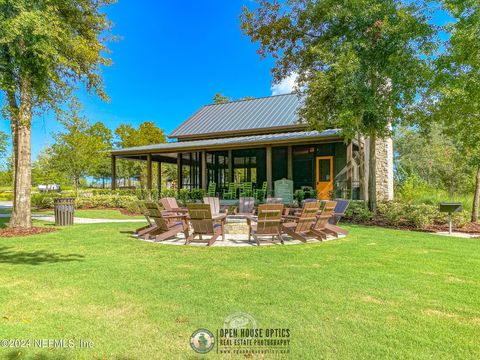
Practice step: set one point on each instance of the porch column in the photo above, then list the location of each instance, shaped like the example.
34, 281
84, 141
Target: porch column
349, 169
230, 166
114, 172
290, 162
179, 171
159, 177
149, 173
204, 170
269, 169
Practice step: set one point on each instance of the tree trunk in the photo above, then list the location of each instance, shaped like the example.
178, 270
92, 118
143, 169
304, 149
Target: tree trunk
476, 199
21, 215
13, 113
361, 171
372, 173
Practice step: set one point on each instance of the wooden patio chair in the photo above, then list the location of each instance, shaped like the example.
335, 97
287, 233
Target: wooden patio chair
339, 212
268, 223
151, 225
212, 189
246, 206
321, 229
204, 224
246, 189
231, 192
278, 200
170, 204
298, 227
261, 194
168, 225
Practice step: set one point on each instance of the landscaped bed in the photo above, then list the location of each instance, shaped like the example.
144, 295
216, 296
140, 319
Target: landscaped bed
377, 293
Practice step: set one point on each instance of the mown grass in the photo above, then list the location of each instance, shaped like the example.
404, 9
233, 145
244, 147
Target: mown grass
376, 294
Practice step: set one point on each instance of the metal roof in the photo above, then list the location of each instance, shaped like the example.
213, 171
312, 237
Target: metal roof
261, 113
252, 141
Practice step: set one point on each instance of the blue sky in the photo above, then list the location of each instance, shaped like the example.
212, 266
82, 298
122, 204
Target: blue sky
172, 59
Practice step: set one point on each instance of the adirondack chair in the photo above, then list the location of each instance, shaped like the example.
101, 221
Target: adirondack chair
300, 226
267, 224
231, 192
170, 204
217, 212
260, 194
277, 200
245, 207
151, 225
246, 190
339, 212
168, 225
204, 224
212, 189
320, 229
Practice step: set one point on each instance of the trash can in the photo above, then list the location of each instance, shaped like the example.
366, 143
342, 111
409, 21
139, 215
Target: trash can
64, 210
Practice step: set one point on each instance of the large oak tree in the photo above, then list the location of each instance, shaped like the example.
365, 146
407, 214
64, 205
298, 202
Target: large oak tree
46, 48
455, 94
359, 63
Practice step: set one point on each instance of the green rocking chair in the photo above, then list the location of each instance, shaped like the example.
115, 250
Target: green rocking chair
212, 189
261, 194
231, 192
247, 189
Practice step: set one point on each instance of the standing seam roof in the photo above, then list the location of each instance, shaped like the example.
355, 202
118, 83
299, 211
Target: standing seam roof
273, 111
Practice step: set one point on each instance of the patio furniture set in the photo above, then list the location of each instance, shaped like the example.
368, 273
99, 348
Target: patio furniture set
268, 222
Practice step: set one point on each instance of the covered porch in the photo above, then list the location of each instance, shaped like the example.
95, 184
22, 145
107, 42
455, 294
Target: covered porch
310, 159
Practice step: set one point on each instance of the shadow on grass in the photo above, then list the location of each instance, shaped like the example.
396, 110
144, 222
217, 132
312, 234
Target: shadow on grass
39, 257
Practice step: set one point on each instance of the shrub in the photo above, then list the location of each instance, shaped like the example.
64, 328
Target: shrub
299, 196
197, 194
184, 195
358, 212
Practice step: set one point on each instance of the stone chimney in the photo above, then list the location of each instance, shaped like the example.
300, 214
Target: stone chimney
384, 157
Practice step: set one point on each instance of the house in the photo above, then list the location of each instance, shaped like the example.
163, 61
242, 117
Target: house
261, 140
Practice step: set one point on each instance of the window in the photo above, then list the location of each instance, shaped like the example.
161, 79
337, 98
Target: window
279, 163
249, 166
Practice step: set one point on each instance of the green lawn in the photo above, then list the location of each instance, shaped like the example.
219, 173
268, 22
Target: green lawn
376, 294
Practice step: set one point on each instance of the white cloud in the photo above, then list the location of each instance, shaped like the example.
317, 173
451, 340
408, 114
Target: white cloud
286, 86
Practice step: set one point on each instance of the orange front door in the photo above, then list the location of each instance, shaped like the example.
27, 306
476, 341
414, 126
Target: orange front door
324, 177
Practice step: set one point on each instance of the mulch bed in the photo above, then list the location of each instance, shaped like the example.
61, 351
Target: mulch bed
35, 230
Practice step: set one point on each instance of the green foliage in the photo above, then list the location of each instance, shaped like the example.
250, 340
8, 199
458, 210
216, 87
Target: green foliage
44, 170
359, 63
146, 134
358, 212
417, 191
48, 46
431, 159
184, 195
81, 149
416, 215
197, 194
221, 99
3, 144
299, 195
